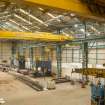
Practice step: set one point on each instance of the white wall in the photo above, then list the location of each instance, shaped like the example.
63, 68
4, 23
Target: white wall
69, 56
5, 51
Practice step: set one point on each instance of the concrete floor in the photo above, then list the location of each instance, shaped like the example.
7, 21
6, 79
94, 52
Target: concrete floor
16, 93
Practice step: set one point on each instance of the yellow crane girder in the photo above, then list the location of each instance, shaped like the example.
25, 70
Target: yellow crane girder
38, 36
75, 6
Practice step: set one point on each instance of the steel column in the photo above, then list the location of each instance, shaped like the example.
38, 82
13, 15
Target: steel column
59, 60
31, 57
43, 53
72, 55
85, 55
13, 53
96, 53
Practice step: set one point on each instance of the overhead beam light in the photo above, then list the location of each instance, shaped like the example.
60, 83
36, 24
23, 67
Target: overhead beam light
25, 28
33, 17
41, 9
4, 13
35, 27
94, 29
6, 16
22, 19
49, 14
65, 34
76, 25
18, 24
55, 18
82, 30
88, 34
72, 14
11, 26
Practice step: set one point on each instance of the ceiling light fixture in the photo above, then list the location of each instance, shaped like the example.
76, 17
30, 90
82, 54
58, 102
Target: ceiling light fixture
22, 19
33, 17
72, 14
41, 9
82, 30
76, 25
49, 14
18, 24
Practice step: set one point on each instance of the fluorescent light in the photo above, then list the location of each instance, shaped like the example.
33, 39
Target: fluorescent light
33, 17
13, 21
9, 25
35, 27
65, 34
88, 34
18, 24
41, 9
6, 16
49, 14
76, 25
94, 29
72, 14
55, 18
99, 32
25, 28
4, 12
22, 19
82, 30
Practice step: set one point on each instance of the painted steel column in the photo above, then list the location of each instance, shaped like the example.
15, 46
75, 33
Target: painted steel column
85, 48
85, 55
59, 60
13, 53
72, 55
43, 53
31, 57
20, 57
96, 53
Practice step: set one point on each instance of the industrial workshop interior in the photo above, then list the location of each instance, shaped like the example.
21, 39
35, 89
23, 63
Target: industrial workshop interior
52, 52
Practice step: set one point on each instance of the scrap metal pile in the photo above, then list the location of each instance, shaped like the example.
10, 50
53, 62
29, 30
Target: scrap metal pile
98, 72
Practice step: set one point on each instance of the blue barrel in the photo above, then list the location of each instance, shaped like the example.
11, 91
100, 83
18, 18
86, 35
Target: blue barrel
97, 91
100, 91
93, 91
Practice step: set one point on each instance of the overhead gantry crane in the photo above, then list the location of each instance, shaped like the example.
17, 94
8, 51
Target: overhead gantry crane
84, 8
38, 36
80, 7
